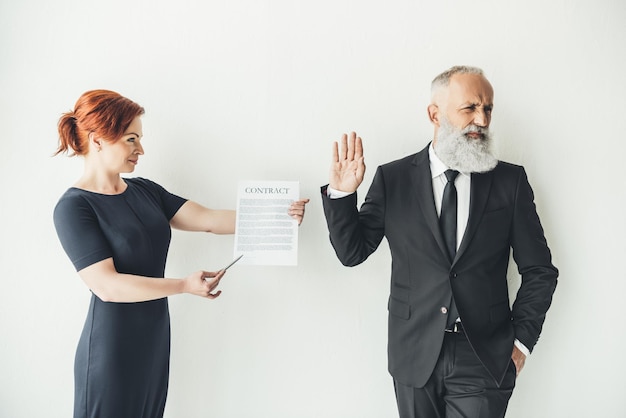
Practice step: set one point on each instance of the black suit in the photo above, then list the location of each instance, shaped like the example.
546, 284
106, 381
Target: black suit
400, 206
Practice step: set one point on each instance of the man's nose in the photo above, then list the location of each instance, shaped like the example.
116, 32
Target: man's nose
481, 118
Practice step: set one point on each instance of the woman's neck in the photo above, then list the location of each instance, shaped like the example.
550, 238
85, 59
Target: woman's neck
100, 182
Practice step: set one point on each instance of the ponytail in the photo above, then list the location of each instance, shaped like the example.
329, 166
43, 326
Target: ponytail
68, 136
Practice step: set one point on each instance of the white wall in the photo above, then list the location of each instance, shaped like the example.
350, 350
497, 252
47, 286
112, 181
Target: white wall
259, 89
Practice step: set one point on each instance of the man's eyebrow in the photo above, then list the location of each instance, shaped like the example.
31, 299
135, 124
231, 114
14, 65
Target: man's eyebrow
473, 104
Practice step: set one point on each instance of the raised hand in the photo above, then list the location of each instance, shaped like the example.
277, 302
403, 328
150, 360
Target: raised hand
348, 166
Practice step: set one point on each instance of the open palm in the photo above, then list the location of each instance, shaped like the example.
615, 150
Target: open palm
348, 165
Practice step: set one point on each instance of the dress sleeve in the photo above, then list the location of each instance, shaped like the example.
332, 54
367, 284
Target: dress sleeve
170, 203
80, 233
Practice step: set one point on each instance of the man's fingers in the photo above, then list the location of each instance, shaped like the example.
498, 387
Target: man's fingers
360, 169
351, 146
358, 148
335, 152
344, 147
350, 149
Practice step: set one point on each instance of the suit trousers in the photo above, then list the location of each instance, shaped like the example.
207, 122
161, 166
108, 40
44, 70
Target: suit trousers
460, 386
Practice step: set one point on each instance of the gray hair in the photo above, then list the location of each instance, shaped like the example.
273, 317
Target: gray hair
443, 79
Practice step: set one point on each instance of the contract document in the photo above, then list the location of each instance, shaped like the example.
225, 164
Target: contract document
265, 233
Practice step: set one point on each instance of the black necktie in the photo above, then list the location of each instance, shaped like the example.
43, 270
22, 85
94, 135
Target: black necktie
447, 219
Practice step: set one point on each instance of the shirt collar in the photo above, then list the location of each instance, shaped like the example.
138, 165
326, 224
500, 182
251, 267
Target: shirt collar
437, 167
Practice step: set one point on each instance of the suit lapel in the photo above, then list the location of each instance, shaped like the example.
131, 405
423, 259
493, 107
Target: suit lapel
479, 193
422, 183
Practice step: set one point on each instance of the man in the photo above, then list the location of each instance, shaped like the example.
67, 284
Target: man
451, 214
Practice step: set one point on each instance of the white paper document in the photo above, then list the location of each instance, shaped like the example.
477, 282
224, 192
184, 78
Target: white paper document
265, 233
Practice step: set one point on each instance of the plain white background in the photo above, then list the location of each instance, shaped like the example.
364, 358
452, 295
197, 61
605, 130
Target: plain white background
259, 89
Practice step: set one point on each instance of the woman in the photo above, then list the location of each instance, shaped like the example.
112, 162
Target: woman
116, 231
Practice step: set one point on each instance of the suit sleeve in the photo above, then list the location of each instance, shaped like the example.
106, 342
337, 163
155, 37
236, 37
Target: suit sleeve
534, 263
355, 234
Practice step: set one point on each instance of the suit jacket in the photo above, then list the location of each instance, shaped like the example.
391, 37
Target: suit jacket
400, 207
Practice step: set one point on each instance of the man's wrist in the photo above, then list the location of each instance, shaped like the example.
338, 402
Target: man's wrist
522, 347
336, 194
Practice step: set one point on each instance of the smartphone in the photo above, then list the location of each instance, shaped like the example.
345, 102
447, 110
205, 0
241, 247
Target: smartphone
232, 262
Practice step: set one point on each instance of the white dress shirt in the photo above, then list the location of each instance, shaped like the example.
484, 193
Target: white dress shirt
463, 183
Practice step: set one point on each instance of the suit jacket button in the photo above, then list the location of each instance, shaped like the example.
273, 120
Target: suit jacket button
444, 310
453, 275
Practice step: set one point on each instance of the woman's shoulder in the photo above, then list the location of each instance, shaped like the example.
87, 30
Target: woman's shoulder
142, 182
73, 195
72, 203
143, 187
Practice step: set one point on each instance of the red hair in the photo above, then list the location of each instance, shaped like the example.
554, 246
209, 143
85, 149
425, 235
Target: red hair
105, 113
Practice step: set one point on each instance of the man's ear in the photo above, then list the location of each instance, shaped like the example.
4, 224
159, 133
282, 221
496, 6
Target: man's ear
433, 114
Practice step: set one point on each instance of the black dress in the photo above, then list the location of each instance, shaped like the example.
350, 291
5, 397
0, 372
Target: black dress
122, 360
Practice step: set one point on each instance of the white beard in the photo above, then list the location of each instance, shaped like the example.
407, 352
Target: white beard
462, 153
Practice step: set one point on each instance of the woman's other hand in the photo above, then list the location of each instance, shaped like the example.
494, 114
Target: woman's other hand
296, 210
